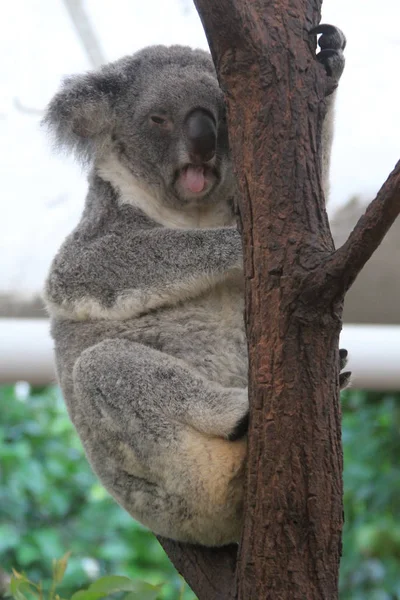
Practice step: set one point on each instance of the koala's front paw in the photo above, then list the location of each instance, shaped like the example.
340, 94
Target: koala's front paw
344, 378
332, 43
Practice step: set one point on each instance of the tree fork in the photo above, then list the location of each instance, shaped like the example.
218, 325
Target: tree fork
295, 283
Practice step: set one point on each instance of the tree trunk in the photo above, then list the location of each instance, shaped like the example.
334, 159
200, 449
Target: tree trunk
291, 539
295, 286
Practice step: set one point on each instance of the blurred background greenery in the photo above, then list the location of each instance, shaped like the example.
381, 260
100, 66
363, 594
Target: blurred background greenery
51, 503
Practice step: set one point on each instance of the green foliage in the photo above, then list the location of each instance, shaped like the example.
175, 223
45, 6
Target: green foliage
371, 543
103, 587
22, 588
50, 502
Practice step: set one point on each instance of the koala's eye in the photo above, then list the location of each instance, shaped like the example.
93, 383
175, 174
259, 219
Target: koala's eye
158, 120
161, 121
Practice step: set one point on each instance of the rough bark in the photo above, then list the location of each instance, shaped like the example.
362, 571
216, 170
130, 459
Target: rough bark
209, 571
295, 285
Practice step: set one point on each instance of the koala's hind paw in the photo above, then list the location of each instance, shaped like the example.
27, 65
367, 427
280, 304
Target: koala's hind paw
332, 43
344, 378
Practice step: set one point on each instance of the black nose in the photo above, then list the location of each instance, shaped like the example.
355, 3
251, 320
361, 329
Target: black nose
202, 136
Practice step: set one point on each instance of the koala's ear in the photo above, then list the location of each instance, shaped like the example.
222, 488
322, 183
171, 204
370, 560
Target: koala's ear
79, 115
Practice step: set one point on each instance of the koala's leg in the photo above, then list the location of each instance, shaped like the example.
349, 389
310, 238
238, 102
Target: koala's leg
156, 435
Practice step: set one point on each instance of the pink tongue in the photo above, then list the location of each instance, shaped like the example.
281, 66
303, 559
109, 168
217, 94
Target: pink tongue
193, 179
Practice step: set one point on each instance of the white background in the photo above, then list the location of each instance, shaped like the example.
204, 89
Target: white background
42, 195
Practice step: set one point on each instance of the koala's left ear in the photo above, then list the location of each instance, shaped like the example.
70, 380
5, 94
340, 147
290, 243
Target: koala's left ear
80, 114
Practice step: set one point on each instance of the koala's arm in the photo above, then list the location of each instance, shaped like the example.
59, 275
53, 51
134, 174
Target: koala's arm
128, 273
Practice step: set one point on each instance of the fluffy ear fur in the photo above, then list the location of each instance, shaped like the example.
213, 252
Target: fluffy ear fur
79, 117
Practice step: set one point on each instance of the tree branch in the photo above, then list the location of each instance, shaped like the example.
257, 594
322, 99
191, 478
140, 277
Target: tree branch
209, 571
345, 264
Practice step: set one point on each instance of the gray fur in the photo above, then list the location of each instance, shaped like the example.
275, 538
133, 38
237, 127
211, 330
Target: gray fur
146, 295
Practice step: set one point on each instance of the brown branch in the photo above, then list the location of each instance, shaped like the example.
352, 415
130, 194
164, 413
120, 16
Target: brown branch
219, 19
208, 571
345, 264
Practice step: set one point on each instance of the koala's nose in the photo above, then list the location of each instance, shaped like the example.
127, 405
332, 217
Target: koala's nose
202, 136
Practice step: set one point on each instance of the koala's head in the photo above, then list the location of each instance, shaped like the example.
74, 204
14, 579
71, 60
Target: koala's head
159, 115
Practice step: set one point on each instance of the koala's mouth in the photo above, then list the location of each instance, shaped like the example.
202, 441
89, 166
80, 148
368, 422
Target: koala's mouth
195, 180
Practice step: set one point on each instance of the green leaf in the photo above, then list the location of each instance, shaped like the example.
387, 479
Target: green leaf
110, 584
19, 576
113, 583
17, 583
145, 591
59, 567
87, 595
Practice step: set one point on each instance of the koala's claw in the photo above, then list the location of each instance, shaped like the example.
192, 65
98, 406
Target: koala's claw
344, 378
332, 43
332, 37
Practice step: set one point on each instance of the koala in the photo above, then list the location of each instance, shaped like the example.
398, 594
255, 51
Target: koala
145, 296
